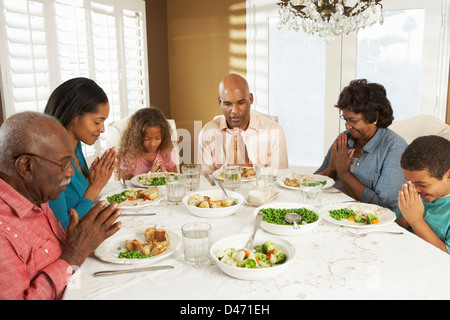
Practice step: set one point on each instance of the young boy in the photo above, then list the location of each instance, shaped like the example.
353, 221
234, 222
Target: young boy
424, 201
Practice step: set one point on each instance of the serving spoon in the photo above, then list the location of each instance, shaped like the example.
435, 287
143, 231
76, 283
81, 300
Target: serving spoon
258, 220
293, 217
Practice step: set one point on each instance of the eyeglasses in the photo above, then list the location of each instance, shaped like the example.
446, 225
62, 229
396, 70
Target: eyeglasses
351, 122
63, 165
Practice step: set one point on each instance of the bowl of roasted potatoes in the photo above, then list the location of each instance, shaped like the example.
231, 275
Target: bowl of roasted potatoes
213, 203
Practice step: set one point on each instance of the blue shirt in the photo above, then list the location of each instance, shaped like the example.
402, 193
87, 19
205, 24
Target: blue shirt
72, 197
437, 216
378, 168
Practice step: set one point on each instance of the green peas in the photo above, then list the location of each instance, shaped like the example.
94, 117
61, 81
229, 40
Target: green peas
133, 254
341, 214
276, 216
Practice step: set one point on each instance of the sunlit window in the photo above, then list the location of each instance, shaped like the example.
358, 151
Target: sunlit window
46, 42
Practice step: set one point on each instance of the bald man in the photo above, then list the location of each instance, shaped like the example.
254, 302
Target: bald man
260, 140
37, 256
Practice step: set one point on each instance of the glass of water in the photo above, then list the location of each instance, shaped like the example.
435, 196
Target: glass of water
311, 193
232, 176
264, 175
196, 243
191, 173
175, 188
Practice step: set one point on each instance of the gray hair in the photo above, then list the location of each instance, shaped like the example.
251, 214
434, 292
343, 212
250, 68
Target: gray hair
25, 132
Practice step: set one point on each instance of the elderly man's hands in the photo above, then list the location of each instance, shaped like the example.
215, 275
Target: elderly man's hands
85, 235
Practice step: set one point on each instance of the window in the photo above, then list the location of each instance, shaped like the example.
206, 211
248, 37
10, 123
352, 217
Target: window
46, 42
298, 77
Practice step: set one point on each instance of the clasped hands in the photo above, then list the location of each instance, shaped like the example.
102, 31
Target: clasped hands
102, 168
410, 204
341, 158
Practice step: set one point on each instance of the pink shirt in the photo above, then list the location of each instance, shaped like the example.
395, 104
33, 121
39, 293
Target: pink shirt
31, 242
168, 160
263, 141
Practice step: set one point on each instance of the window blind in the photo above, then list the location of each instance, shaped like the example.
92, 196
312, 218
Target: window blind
46, 42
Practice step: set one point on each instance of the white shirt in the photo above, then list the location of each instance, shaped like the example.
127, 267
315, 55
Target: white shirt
263, 142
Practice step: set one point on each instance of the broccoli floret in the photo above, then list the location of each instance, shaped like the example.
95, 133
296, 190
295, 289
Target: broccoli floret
260, 256
262, 260
371, 217
281, 257
129, 193
277, 257
267, 246
258, 248
249, 263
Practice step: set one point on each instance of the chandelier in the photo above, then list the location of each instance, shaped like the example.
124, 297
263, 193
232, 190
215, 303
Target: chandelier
329, 18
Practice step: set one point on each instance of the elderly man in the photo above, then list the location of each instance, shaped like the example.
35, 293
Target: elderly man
36, 254
240, 136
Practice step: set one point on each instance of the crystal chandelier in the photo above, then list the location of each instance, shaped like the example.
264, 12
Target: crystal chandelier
329, 18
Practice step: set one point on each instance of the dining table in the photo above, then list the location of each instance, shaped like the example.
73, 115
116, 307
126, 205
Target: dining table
332, 262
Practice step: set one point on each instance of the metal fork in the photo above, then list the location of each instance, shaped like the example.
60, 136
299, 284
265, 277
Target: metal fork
124, 185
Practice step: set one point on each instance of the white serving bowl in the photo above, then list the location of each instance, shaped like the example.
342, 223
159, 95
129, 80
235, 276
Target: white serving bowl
214, 212
284, 230
239, 242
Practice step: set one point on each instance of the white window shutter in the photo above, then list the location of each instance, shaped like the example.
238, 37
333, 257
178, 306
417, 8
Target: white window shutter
24, 58
46, 42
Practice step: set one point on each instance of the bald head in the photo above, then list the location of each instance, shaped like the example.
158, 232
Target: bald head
31, 145
233, 80
30, 132
235, 101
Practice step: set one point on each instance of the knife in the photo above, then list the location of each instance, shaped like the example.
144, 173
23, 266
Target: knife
209, 179
112, 272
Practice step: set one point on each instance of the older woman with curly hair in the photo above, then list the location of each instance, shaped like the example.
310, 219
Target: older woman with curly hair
365, 159
146, 145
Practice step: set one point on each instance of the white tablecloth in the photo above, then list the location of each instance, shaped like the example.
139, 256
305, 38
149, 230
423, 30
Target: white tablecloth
331, 263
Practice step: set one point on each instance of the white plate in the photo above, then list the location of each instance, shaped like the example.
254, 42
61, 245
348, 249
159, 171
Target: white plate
214, 212
284, 230
217, 174
385, 215
134, 181
108, 250
330, 182
137, 204
238, 242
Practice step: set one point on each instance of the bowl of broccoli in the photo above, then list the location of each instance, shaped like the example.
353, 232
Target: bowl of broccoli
273, 219
267, 259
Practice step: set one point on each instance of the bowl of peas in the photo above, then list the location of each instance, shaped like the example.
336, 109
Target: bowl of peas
273, 219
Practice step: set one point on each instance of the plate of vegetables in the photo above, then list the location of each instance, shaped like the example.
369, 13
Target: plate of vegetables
135, 198
273, 219
357, 215
294, 180
150, 179
267, 259
247, 174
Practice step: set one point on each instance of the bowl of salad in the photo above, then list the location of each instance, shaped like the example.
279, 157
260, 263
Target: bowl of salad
268, 258
273, 219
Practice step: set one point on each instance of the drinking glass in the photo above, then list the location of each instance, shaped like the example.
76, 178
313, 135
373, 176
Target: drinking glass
191, 173
232, 176
311, 193
175, 188
264, 175
196, 243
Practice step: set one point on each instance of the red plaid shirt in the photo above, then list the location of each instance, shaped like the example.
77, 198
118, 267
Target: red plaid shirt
31, 242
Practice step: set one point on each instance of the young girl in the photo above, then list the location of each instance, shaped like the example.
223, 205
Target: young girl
146, 145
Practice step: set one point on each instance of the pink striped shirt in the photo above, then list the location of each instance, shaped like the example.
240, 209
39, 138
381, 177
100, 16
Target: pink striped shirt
31, 242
